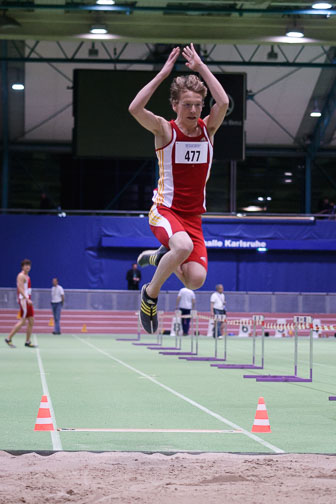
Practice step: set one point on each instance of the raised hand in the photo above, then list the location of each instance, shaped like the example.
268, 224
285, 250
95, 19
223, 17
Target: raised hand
169, 65
193, 60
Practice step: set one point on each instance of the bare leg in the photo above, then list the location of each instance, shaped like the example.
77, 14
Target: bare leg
181, 247
16, 328
191, 274
29, 328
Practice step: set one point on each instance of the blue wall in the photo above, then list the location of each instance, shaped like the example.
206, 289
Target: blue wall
74, 249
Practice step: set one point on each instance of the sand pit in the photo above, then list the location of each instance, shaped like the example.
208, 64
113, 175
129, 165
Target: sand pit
125, 478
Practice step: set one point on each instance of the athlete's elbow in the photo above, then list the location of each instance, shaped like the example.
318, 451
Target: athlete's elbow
224, 103
132, 109
222, 108
135, 106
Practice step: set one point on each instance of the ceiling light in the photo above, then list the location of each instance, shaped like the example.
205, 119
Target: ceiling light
321, 5
17, 86
253, 208
7, 22
288, 181
260, 198
294, 32
316, 112
98, 29
288, 173
105, 2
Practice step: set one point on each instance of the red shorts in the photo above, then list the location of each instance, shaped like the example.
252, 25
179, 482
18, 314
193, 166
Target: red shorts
164, 223
26, 309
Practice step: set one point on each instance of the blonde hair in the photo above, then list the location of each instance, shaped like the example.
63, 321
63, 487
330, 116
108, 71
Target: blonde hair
186, 83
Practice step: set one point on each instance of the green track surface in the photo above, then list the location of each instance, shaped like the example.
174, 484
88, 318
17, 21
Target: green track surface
95, 381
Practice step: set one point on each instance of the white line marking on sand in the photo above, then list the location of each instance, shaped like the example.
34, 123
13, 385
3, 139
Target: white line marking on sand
188, 431
55, 437
185, 398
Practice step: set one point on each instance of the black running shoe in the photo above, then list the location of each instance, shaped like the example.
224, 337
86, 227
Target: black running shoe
152, 257
148, 312
29, 344
9, 343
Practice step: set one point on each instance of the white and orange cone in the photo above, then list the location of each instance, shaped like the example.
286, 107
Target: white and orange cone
43, 420
261, 421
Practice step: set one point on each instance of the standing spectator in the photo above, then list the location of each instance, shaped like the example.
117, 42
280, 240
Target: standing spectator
133, 277
57, 301
217, 307
24, 290
185, 302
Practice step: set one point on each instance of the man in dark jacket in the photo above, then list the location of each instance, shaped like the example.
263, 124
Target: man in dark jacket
133, 278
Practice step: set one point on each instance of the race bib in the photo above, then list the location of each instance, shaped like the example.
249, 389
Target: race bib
191, 153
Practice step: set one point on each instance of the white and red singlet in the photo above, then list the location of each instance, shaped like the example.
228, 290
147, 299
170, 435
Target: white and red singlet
180, 199
26, 309
184, 168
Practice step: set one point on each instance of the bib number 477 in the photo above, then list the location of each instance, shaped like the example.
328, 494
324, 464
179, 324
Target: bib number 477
192, 156
191, 152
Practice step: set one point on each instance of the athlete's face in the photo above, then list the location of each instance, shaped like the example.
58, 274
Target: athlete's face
26, 268
189, 107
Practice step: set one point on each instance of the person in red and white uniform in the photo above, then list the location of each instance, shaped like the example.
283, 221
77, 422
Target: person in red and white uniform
184, 148
24, 290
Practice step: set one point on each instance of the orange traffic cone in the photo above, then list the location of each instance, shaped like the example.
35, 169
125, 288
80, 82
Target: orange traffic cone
43, 420
261, 421
84, 328
51, 323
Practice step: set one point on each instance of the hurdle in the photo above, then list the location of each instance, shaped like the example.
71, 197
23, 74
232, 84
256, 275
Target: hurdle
177, 330
138, 331
178, 352
300, 322
257, 320
158, 334
196, 358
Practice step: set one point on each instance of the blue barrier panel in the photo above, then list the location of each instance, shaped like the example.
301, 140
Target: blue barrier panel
95, 252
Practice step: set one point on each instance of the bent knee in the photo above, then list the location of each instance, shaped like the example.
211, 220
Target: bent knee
184, 250
195, 282
187, 248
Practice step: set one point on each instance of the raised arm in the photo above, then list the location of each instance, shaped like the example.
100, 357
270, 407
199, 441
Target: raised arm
146, 118
218, 110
